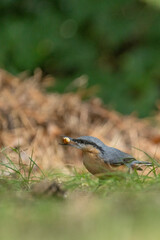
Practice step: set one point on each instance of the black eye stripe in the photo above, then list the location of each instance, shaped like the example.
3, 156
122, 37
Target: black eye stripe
83, 141
79, 141
89, 143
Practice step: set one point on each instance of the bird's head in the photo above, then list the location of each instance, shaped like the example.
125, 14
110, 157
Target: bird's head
85, 143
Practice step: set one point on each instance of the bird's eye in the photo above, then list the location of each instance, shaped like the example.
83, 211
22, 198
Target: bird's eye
80, 141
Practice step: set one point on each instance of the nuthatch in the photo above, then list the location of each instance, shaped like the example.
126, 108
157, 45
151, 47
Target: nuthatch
100, 159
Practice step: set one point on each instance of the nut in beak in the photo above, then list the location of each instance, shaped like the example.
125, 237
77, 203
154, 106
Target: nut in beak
66, 140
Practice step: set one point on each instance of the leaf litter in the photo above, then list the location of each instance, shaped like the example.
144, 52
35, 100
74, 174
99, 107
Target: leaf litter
34, 121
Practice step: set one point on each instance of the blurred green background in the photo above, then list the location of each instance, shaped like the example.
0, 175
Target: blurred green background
116, 44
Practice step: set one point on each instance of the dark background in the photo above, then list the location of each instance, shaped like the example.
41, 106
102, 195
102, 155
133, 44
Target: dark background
115, 44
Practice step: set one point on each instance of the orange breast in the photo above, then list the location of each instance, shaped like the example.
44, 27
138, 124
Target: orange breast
97, 166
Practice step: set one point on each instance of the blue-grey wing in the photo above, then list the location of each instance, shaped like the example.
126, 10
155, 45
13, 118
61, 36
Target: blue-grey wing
116, 157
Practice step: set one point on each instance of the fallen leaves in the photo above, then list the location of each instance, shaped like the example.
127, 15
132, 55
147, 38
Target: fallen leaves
32, 119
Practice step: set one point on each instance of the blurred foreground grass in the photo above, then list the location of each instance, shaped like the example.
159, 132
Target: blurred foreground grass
110, 209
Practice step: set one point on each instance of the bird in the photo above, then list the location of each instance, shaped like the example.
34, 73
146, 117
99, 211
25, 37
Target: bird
102, 160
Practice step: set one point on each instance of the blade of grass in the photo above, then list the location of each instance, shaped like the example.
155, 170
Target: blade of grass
152, 159
15, 170
22, 166
10, 161
37, 166
31, 166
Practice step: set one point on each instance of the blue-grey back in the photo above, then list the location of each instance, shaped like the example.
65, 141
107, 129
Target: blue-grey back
114, 155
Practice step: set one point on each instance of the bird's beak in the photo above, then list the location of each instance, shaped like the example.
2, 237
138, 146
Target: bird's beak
68, 141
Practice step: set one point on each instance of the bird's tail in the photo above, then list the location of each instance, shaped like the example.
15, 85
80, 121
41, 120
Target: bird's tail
135, 164
144, 163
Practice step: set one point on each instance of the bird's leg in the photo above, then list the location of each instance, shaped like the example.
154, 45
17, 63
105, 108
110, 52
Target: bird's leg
130, 170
